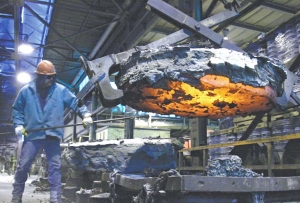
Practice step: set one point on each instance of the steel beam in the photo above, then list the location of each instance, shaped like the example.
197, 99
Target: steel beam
182, 20
252, 167
250, 27
117, 5
196, 183
76, 8
49, 26
270, 147
219, 17
210, 8
193, 183
245, 142
168, 40
252, 126
242, 13
279, 7
17, 19
134, 181
78, 33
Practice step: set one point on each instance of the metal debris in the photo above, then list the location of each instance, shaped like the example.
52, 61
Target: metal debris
87, 191
229, 166
153, 193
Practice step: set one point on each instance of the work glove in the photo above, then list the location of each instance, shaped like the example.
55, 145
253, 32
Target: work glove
87, 120
20, 131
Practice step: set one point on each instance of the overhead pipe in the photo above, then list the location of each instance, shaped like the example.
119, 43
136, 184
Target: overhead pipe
17, 17
132, 37
78, 33
198, 10
102, 39
107, 32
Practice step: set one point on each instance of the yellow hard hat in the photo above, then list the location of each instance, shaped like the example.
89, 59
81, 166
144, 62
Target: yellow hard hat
45, 67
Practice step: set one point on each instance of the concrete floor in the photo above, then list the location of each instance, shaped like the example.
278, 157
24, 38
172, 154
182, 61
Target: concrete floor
29, 196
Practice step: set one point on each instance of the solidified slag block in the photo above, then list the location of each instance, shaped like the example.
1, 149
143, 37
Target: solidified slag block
126, 156
199, 82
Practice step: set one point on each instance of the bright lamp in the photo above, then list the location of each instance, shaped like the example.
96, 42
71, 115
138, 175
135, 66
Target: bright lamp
23, 77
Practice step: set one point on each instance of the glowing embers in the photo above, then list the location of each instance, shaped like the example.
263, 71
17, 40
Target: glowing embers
215, 97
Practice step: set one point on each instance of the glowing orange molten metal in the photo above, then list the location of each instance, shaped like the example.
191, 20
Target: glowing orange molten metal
216, 97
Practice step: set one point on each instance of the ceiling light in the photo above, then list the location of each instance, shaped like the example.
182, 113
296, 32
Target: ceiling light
23, 77
225, 34
25, 47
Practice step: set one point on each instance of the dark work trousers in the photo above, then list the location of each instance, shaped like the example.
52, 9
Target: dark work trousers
29, 151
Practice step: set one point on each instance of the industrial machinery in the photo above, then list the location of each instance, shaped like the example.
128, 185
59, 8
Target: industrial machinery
263, 82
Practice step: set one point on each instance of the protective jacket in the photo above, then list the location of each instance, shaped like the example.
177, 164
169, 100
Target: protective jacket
28, 112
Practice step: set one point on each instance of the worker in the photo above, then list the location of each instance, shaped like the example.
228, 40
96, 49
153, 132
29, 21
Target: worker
39, 104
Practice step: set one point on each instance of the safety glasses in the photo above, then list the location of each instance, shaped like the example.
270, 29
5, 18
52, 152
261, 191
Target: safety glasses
51, 77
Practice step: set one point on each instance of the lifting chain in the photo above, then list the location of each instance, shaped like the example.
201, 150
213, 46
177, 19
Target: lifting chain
112, 186
152, 194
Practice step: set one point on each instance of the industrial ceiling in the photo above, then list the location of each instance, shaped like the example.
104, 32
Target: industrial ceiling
63, 30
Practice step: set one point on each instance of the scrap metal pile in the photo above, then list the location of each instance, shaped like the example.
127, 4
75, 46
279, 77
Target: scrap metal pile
229, 166
200, 82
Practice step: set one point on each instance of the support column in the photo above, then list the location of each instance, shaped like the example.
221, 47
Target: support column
93, 128
129, 126
74, 136
270, 146
198, 132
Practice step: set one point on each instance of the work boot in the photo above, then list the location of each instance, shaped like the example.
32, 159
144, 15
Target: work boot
16, 199
55, 196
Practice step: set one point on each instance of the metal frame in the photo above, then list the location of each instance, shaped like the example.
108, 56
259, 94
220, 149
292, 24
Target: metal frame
259, 188
269, 167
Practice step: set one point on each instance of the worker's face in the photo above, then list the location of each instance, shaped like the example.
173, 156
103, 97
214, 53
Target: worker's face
45, 80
